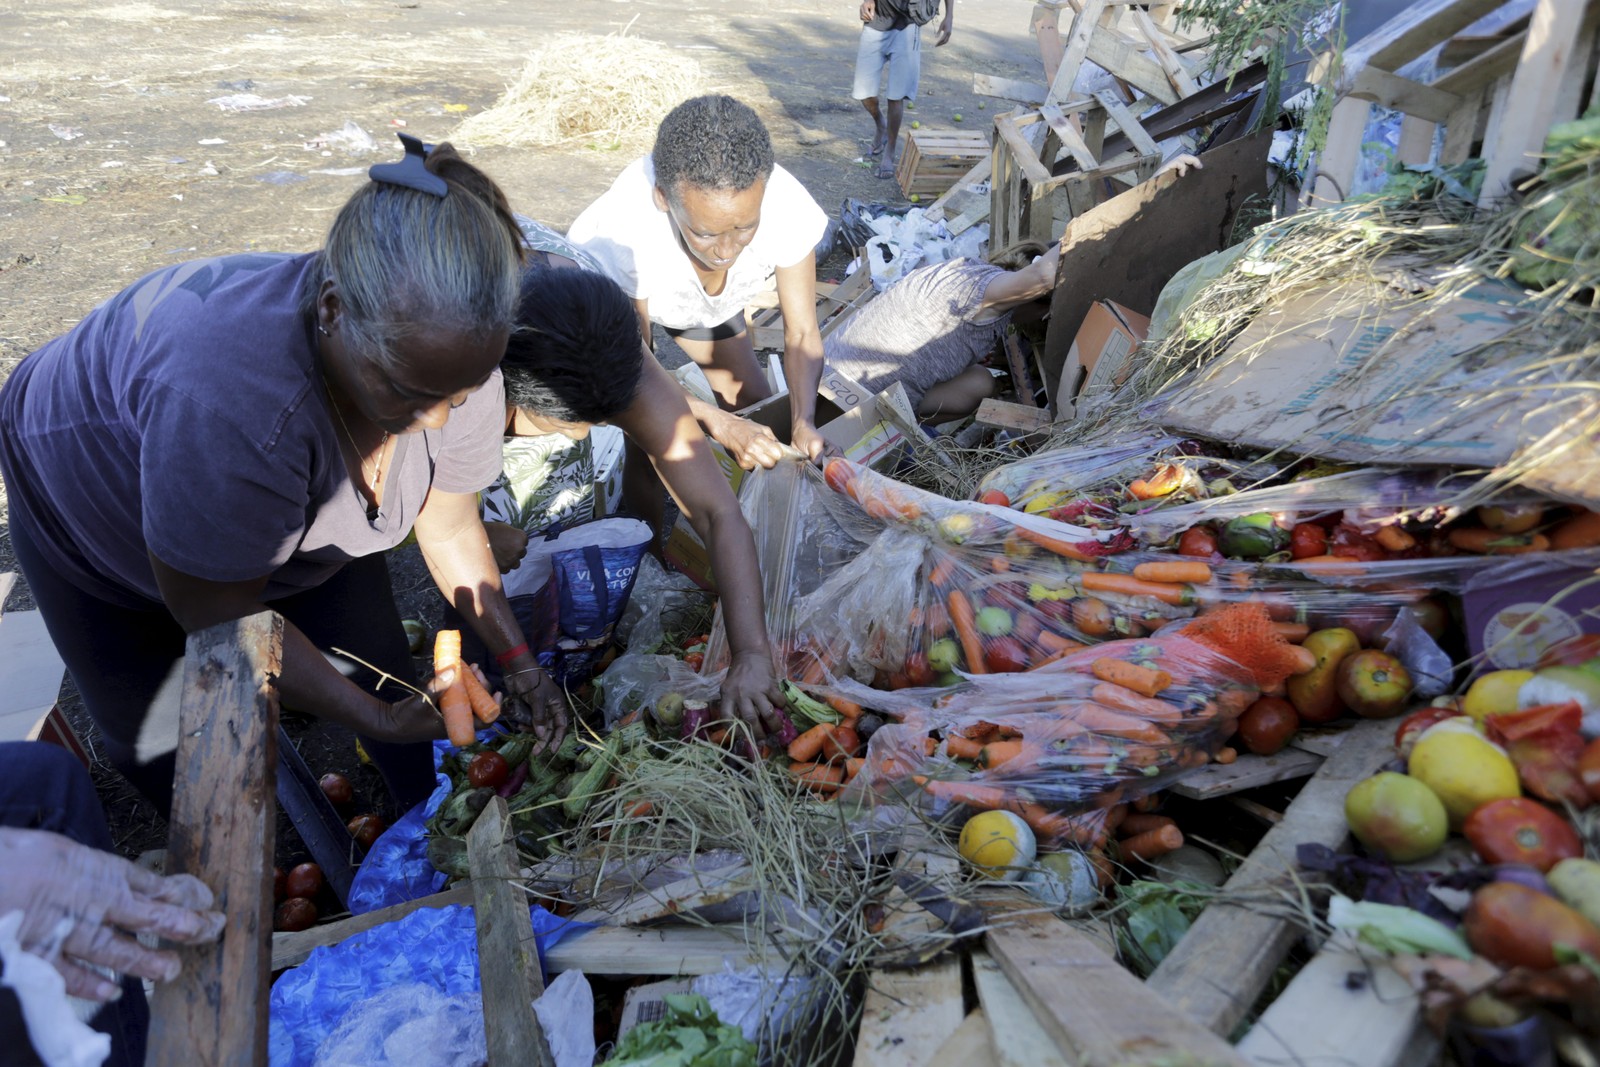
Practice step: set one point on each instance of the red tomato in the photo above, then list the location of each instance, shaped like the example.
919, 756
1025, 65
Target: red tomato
1351, 543
995, 497
365, 829
1515, 926
304, 881
1573, 652
280, 884
1198, 541
337, 788
488, 769
694, 660
296, 913
1308, 539
1519, 830
1589, 769
1412, 726
838, 475
917, 671
1005, 655
1267, 725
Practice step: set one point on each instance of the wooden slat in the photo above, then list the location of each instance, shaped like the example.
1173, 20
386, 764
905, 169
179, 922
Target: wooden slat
701, 889
979, 172
1142, 142
1120, 58
1404, 94
1209, 105
972, 1044
1417, 28
1416, 140
1004, 415
1076, 49
292, 949
632, 950
1324, 1017
508, 957
1024, 154
1246, 772
1177, 74
1071, 139
1552, 39
221, 828
1094, 1009
1339, 158
1023, 92
1222, 964
1021, 376
1484, 70
1019, 1039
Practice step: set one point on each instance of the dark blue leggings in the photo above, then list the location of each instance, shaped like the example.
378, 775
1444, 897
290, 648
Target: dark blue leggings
119, 657
43, 787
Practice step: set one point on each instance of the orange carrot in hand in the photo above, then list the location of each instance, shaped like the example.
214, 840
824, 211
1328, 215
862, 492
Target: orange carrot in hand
1174, 572
456, 707
484, 706
1146, 681
964, 619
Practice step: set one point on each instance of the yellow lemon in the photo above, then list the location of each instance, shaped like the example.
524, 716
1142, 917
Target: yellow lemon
1044, 502
1494, 692
1463, 768
999, 844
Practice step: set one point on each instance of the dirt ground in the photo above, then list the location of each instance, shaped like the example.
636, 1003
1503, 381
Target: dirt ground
113, 163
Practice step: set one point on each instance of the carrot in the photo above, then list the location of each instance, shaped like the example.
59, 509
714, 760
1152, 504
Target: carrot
1147, 803
997, 752
1394, 539
999, 564
1093, 617
1145, 681
808, 745
1164, 481
981, 732
639, 809
820, 777
1054, 544
1054, 642
1127, 585
1119, 698
1494, 543
852, 767
1174, 572
1117, 724
456, 707
847, 708
1052, 657
960, 747
1139, 823
1152, 844
943, 570
1580, 531
998, 798
964, 619
1105, 871
483, 705
446, 650
1292, 632
1225, 755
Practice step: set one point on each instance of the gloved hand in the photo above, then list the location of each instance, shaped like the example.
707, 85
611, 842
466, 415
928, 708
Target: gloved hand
80, 905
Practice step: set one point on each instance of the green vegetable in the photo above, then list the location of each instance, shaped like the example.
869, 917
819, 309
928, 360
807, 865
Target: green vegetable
1253, 536
1577, 885
689, 1035
517, 748
594, 776
807, 711
1157, 916
1395, 930
449, 855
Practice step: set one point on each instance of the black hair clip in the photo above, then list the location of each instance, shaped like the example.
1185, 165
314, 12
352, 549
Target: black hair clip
412, 171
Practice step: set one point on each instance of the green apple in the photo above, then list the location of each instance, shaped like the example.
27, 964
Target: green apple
944, 655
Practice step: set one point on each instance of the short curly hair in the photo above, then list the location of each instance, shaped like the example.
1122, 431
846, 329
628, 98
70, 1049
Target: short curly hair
711, 142
575, 354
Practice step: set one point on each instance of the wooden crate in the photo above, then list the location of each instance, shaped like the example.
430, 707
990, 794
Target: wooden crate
931, 161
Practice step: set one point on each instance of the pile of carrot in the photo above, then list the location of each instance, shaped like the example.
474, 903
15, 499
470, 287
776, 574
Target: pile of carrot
828, 755
465, 697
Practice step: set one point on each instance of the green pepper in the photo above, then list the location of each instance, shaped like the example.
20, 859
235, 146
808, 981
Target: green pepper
1253, 536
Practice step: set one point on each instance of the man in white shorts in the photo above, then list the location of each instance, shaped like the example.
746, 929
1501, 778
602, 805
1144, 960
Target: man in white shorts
891, 36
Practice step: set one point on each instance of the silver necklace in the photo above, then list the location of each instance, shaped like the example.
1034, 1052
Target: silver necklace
377, 465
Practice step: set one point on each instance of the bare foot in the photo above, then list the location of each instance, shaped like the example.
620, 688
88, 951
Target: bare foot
886, 168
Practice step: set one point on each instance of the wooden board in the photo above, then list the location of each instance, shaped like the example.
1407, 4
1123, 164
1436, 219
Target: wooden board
931, 161
970, 1046
223, 816
1093, 1008
1324, 1017
508, 956
1246, 772
1004, 415
632, 950
292, 949
1129, 247
1019, 1039
1222, 964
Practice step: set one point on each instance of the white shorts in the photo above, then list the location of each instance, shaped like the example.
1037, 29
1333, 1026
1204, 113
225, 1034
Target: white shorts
900, 50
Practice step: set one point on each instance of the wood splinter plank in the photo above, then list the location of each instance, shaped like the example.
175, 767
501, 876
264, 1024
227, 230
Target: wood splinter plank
508, 956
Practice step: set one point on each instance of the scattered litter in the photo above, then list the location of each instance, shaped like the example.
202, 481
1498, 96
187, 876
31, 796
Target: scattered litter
209, 170
66, 133
252, 102
401, 123
898, 242
281, 177
348, 138
108, 164
340, 172
455, 107
211, 140
5, 100
244, 85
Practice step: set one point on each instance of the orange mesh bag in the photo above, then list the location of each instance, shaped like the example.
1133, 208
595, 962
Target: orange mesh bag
1245, 634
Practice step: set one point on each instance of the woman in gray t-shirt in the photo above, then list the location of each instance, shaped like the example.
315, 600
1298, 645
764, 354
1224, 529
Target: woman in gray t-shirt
930, 330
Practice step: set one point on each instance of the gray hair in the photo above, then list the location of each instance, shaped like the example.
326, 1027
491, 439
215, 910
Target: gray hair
405, 259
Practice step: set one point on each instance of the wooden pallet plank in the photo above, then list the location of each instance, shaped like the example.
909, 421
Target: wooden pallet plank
1023, 154
978, 173
1119, 57
1094, 1009
634, 950
1324, 1017
1075, 49
292, 949
507, 954
1246, 772
1415, 29
1177, 74
1553, 34
1142, 142
1222, 964
1004, 415
220, 831
1019, 1039
972, 1045
1404, 95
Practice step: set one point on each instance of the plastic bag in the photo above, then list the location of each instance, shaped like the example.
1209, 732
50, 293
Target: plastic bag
759, 1001
408, 1026
435, 947
660, 600
592, 572
566, 1012
396, 868
855, 219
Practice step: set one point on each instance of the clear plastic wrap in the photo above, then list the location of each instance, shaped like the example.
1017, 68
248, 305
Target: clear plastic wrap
1063, 743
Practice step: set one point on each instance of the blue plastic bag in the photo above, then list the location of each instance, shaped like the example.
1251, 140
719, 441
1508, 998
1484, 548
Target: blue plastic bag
396, 868
433, 946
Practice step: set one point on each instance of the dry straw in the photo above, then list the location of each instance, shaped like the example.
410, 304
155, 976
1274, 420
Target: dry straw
586, 88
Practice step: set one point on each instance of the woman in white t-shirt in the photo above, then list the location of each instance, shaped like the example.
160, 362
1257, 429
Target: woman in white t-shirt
693, 232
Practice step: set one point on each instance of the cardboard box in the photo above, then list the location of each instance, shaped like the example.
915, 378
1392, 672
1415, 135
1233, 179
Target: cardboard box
1517, 611
1101, 351
1462, 383
861, 433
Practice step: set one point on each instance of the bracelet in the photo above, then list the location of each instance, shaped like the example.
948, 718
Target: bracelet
527, 670
510, 654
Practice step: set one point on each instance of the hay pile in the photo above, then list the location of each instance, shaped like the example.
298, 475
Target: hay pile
586, 88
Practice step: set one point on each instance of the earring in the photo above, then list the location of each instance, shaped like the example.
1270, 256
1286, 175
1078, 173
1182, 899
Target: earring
323, 330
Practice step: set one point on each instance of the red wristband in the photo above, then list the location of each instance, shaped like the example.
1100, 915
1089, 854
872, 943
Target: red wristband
510, 654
